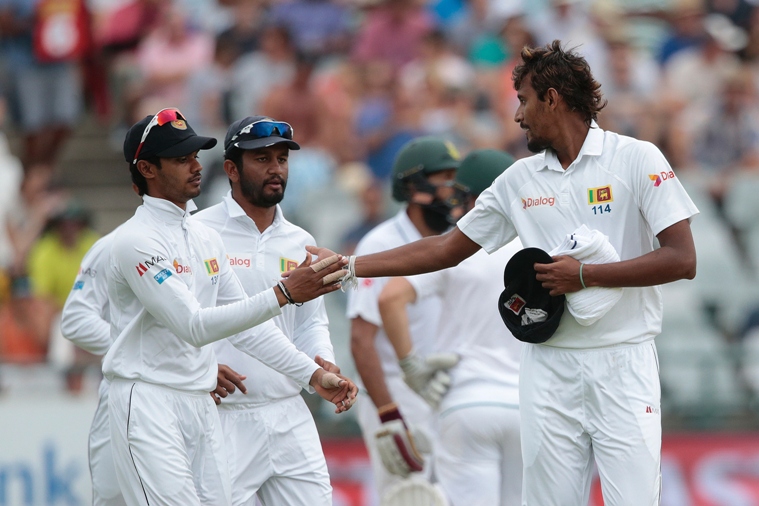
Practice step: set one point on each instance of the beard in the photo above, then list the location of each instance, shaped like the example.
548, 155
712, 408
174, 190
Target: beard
255, 194
536, 145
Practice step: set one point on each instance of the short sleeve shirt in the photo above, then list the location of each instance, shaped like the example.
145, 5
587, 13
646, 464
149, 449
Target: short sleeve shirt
621, 186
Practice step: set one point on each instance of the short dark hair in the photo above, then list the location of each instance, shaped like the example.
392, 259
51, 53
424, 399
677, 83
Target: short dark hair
567, 72
138, 179
234, 155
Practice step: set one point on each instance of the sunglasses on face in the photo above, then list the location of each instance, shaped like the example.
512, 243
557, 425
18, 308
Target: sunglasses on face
266, 128
161, 118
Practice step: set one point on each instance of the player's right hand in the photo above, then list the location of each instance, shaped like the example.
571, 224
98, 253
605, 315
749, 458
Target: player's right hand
429, 376
396, 445
226, 381
335, 388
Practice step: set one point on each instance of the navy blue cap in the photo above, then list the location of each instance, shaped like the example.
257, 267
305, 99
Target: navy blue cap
256, 132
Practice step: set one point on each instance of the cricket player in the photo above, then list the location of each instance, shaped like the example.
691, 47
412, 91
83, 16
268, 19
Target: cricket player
172, 291
275, 452
85, 322
478, 460
589, 392
422, 174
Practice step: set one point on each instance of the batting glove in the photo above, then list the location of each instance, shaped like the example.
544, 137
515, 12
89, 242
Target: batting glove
396, 445
428, 376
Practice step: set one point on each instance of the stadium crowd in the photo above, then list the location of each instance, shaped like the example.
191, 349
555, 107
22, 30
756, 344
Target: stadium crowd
357, 79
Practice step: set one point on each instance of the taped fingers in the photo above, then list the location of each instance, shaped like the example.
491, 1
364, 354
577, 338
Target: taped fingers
321, 264
333, 277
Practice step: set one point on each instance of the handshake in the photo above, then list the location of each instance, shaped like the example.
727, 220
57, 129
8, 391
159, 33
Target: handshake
401, 446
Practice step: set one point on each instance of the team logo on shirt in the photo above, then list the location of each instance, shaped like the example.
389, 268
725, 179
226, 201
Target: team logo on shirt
600, 195
212, 266
181, 268
515, 304
286, 265
538, 201
143, 266
661, 177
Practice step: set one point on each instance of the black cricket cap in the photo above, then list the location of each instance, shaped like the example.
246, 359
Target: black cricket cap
523, 292
244, 134
173, 139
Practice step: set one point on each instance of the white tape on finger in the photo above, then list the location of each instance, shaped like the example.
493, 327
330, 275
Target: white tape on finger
321, 264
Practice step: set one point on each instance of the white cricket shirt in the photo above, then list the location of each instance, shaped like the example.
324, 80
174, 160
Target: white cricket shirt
362, 302
259, 259
85, 315
172, 291
471, 325
619, 185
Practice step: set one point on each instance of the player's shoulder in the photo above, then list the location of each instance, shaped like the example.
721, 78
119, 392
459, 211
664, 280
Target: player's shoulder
618, 146
212, 216
294, 232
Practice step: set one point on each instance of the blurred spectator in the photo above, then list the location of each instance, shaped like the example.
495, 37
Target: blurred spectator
386, 118
373, 207
630, 90
24, 325
120, 26
262, 71
43, 47
720, 136
696, 74
392, 32
53, 265
166, 58
319, 27
247, 25
338, 87
209, 89
472, 26
37, 202
687, 28
11, 175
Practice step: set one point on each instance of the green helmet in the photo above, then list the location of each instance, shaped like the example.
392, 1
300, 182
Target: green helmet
423, 155
480, 168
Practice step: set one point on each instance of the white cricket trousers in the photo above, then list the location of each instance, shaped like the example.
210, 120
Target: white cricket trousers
275, 452
478, 461
105, 484
167, 446
415, 411
577, 405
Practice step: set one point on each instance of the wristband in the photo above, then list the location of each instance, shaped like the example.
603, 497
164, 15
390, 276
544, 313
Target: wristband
582, 282
287, 295
349, 281
389, 412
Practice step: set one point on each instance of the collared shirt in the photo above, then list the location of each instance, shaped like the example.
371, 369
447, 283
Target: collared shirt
618, 185
362, 302
172, 291
471, 326
259, 259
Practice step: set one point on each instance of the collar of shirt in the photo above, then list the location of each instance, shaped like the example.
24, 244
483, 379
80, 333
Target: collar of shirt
405, 227
237, 212
593, 146
166, 211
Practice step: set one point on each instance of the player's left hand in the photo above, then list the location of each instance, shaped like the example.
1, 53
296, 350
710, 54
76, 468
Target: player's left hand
428, 376
560, 277
226, 381
335, 388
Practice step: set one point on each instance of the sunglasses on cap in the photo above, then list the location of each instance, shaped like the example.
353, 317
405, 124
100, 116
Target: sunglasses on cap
265, 128
161, 118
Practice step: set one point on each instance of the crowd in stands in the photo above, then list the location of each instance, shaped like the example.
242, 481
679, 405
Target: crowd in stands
357, 79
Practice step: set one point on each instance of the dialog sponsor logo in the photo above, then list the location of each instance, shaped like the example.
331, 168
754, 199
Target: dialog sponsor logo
661, 177
242, 261
143, 266
538, 201
181, 268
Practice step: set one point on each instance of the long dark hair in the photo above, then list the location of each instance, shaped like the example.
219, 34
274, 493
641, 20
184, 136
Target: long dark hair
567, 72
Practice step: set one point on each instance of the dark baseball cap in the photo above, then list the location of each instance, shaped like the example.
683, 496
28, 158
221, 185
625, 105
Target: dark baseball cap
256, 132
169, 139
524, 302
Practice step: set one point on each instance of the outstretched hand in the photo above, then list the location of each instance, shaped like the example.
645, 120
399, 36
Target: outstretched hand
311, 280
335, 388
560, 277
